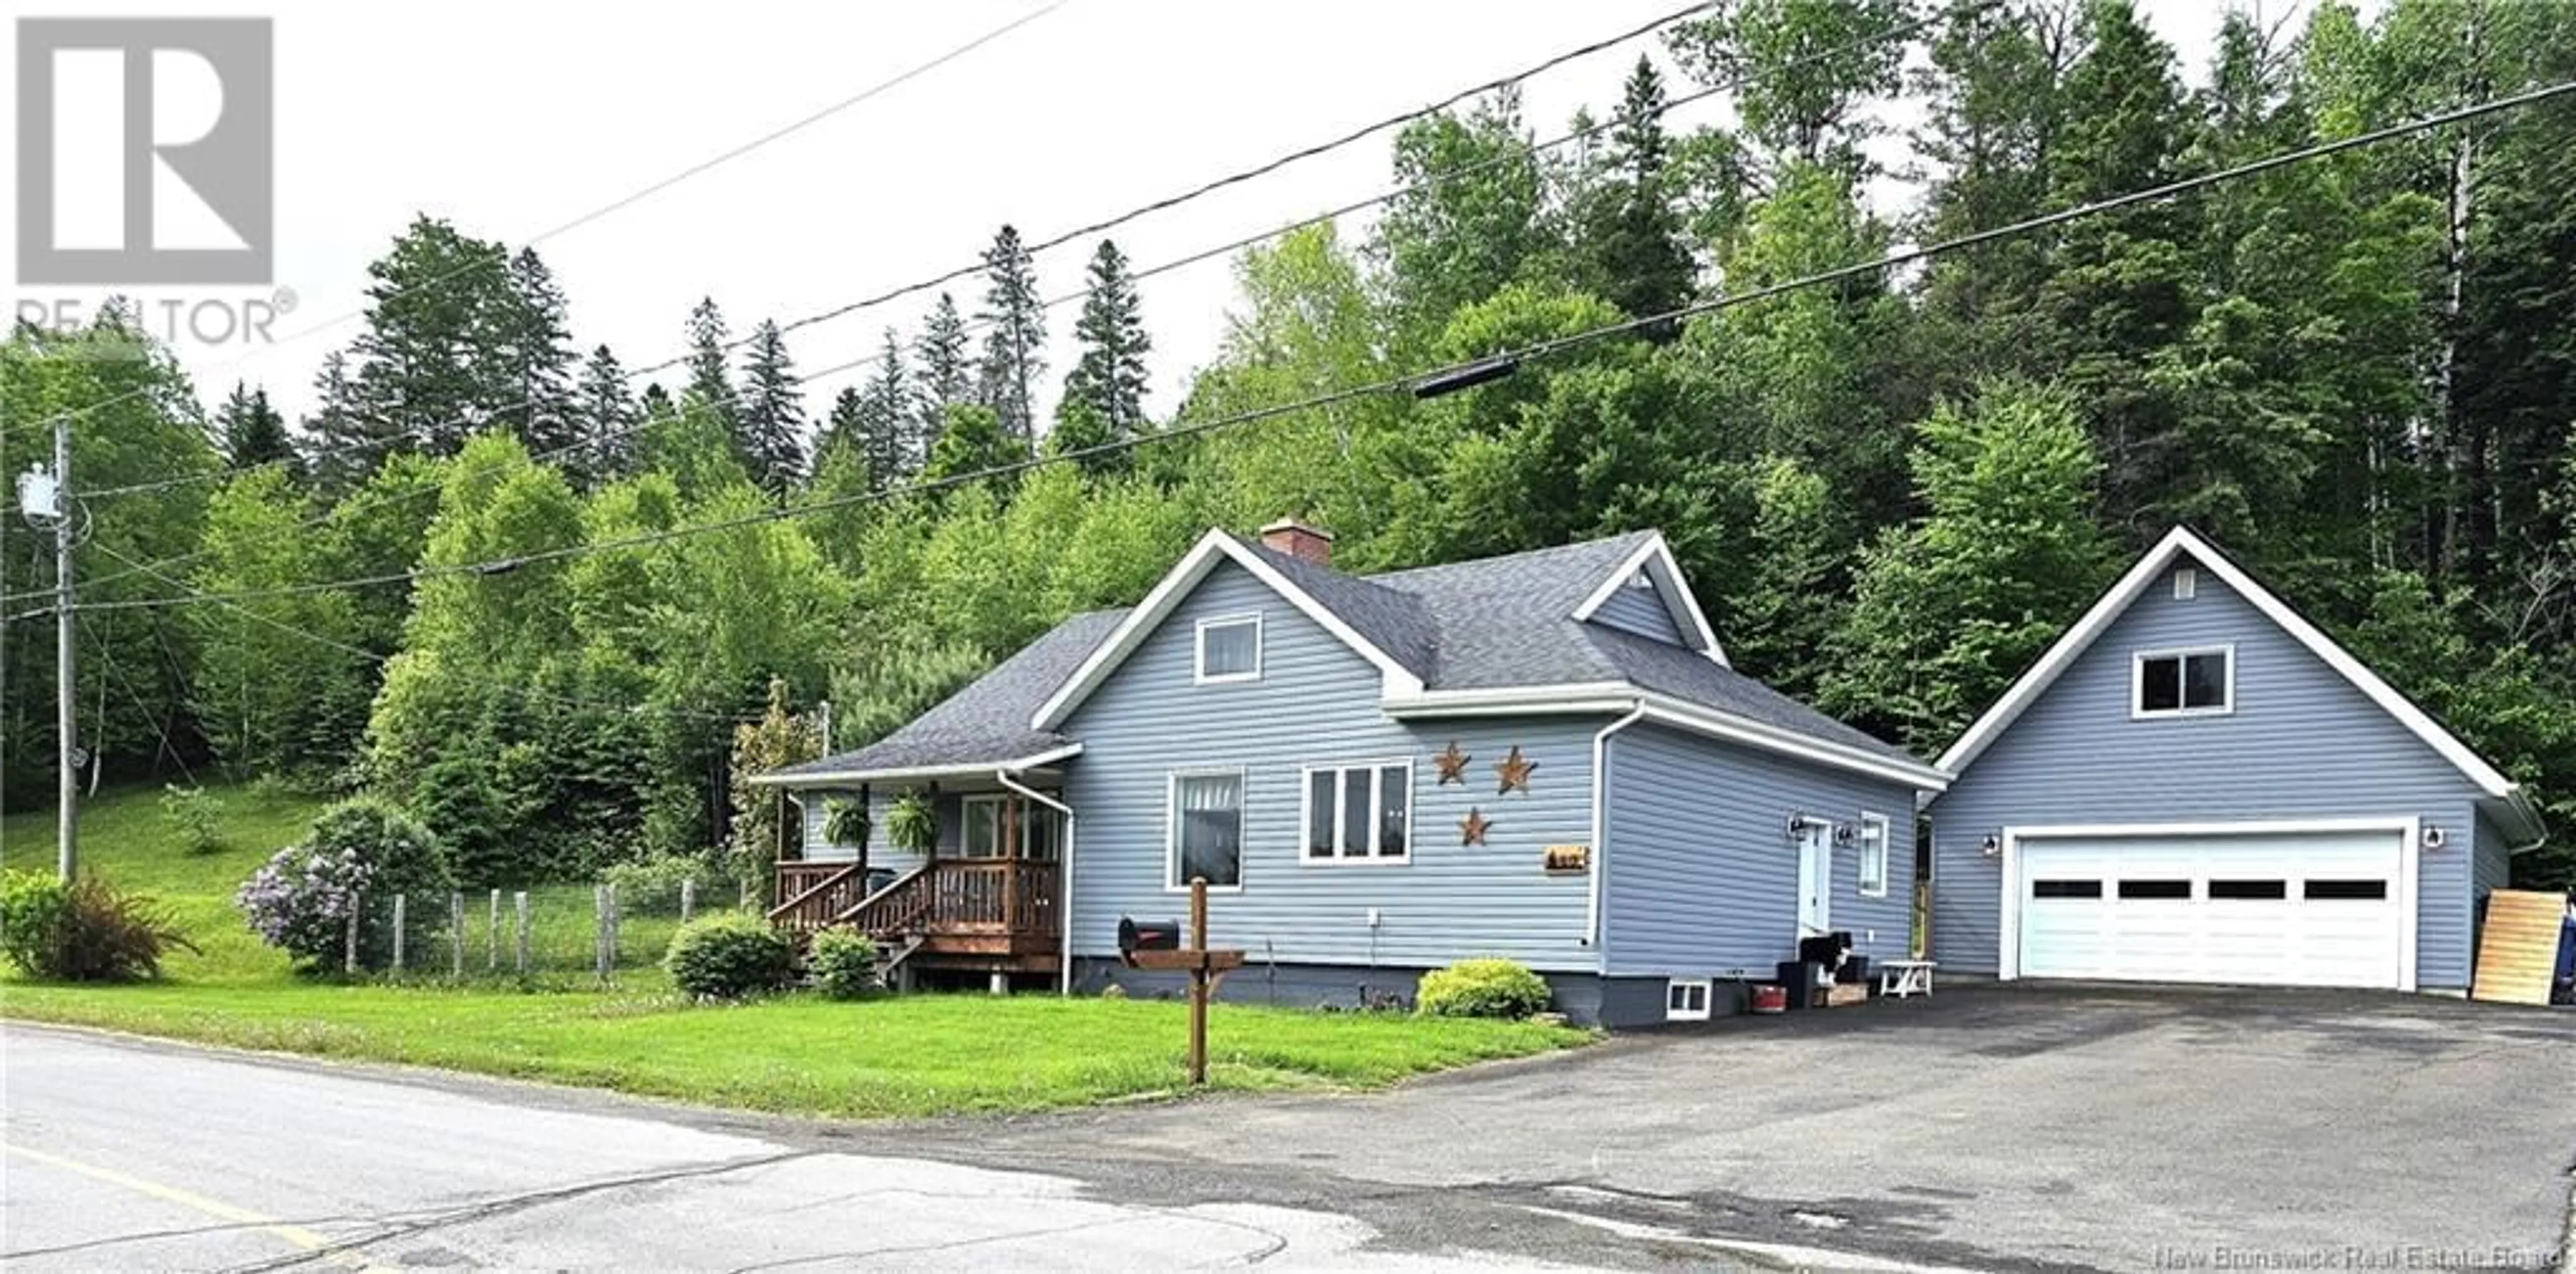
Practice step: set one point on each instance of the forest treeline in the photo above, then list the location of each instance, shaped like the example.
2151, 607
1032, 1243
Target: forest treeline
1892, 490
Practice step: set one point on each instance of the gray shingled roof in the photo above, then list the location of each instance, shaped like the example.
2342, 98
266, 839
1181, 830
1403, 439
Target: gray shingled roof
1490, 623
988, 721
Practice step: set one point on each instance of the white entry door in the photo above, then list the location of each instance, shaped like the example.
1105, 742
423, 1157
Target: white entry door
2278, 908
1815, 879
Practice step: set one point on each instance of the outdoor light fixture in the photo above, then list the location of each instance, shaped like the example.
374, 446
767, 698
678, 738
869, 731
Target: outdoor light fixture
1467, 377
1994, 845
2435, 837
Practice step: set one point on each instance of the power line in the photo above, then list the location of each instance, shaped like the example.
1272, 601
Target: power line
1165, 203
634, 197
1405, 383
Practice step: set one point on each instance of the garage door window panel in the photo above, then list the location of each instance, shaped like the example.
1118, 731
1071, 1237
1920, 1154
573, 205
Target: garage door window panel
2249, 890
2136, 889
2347, 890
2066, 889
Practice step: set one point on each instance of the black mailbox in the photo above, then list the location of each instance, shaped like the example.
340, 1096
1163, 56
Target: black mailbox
1147, 935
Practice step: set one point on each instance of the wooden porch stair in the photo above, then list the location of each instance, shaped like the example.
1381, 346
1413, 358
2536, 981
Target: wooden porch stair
986, 915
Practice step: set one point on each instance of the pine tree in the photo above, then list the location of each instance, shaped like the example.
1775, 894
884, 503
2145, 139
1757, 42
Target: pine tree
769, 418
436, 362
710, 377
946, 378
251, 433
885, 417
1108, 376
607, 417
1014, 337
347, 442
843, 443
1631, 232
535, 346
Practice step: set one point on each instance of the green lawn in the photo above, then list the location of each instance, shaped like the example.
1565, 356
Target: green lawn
916, 1055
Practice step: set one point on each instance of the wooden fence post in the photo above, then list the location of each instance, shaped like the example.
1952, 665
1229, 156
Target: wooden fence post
521, 901
456, 933
349, 951
399, 916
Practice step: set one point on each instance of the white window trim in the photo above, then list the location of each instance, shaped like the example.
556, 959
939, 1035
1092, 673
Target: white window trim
2138, 683
1341, 855
1028, 810
1707, 999
1172, 828
1199, 674
1886, 854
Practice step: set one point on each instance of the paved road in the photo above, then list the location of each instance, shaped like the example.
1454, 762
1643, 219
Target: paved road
1996, 1130
131, 1156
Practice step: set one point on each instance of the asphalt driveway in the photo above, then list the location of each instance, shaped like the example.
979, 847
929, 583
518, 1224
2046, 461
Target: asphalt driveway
1987, 1128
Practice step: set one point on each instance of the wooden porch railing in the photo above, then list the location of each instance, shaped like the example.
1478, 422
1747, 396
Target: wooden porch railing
965, 897
811, 894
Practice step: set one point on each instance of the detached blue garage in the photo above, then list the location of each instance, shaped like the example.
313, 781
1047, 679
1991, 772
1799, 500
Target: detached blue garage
2196, 785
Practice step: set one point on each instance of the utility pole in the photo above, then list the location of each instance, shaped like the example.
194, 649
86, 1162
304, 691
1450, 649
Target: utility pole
67, 813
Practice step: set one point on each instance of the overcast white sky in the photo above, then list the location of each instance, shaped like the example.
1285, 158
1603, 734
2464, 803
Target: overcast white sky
513, 116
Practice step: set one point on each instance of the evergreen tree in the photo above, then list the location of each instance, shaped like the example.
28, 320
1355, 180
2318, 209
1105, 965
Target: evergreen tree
251, 433
535, 348
437, 360
1014, 318
710, 373
346, 442
1630, 232
769, 414
1108, 376
607, 417
947, 378
885, 418
844, 440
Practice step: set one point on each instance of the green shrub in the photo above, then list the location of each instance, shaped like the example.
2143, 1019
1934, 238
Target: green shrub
843, 963
653, 884
730, 956
196, 818
1483, 988
360, 853
86, 931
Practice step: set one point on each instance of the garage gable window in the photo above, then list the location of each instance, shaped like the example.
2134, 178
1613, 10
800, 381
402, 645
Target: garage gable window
1873, 855
2184, 683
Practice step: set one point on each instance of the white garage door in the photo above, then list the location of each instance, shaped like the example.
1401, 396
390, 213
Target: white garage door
2293, 909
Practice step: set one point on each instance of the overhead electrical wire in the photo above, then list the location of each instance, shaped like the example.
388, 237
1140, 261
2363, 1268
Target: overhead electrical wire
1165, 203
1410, 382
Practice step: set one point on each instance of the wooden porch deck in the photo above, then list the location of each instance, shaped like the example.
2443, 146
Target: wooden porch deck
984, 914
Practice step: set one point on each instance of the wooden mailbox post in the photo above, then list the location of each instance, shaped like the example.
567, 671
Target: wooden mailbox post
1205, 967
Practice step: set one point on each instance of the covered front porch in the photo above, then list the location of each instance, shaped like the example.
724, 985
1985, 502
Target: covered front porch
980, 890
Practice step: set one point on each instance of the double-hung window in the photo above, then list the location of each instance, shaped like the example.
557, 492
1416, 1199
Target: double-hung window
1229, 649
1206, 822
2177, 683
1873, 855
1359, 812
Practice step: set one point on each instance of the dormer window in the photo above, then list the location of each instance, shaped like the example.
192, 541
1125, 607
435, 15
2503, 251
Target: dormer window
1229, 649
2180, 683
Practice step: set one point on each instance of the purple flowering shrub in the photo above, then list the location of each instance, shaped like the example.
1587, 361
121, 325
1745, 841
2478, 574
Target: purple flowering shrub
359, 854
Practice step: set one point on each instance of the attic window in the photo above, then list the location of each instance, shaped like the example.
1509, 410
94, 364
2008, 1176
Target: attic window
1641, 580
2178, 683
1229, 649
2186, 583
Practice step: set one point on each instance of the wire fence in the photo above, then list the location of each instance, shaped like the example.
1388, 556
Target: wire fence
551, 935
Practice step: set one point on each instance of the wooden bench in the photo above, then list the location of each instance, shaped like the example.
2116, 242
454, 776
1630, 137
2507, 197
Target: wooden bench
1903, 978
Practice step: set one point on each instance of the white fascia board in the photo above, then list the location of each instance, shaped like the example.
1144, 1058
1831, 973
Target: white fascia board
1620, 697
2114, 603
1141, 623
1655, 557
974, 769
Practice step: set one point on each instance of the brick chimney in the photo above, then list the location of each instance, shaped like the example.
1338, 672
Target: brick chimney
1298, 540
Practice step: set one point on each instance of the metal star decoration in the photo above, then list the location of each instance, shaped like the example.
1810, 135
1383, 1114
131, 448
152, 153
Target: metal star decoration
1472, 829
1453, 764
1514, 770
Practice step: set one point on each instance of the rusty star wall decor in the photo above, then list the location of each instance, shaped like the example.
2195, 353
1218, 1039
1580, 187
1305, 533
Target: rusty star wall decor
1514, 770
1472, 829
1453, 764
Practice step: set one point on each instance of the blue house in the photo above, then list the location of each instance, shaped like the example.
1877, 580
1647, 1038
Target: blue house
2194, 784
1543, 756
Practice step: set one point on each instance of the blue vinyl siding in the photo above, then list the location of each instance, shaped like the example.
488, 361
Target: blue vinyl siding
1317, 703
2301, 743
881, 851
1641, 610
1703, 878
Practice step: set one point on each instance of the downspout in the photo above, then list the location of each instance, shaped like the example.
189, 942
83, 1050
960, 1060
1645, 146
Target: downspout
1064, 916
1601, 831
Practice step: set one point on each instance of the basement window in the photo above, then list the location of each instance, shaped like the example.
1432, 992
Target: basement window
1686, 1000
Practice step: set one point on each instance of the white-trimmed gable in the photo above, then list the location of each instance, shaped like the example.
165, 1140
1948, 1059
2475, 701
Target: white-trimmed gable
1654, 561
2180, 550
1213, 548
